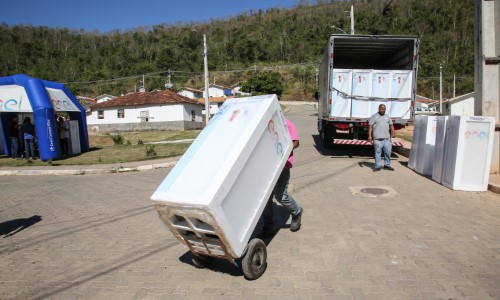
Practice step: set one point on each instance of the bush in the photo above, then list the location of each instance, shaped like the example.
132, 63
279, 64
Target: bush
117, 139
150, 150
129, 142
140, 142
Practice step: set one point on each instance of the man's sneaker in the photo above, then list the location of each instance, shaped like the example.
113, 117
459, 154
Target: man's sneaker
295, 224
267, 231
388, 168
377, 169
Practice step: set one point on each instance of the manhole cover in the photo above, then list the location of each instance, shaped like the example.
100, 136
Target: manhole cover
374, 191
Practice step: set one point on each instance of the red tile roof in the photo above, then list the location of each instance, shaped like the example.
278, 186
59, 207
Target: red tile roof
146, 98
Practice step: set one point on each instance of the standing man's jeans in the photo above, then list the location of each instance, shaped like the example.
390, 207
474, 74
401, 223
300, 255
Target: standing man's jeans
280, 192
29, 146
14, 146
386, 145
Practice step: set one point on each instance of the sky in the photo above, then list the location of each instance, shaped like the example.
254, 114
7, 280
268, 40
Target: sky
109, 15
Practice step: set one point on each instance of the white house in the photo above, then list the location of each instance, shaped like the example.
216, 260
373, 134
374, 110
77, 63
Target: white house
190, 93
215, 90
460, 106
215, 103
104, 98
236, 90
163, 110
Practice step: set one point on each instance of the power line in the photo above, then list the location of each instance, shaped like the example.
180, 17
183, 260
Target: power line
152, 74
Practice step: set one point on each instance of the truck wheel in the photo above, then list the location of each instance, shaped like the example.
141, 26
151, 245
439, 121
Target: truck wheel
327, 139
255, 261
201, 261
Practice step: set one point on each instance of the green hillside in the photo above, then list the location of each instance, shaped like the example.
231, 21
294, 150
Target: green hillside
288, 41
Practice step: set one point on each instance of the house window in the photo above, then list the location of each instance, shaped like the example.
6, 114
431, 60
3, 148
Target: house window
193, 115
121, 113
145, 116
100, 114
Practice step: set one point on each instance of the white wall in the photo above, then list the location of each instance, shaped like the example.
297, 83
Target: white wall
187, 112
164, 113
104, 99
190, 94
214, 92
463, 108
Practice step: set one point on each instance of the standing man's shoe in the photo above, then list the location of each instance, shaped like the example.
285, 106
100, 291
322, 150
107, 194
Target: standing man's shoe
388, 168
377, 169
295, 224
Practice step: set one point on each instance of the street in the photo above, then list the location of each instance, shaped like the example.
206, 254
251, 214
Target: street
364, 235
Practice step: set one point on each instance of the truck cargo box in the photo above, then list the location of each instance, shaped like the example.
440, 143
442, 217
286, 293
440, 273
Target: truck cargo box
357, 74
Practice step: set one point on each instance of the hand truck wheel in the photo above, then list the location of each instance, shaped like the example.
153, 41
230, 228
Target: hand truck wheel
255, 261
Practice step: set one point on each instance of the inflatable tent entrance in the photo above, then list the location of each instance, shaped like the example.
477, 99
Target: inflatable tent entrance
21, 94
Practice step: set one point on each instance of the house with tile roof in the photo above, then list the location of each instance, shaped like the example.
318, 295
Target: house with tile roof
104, 98
157, 110
215, 90
215, 103
190, 93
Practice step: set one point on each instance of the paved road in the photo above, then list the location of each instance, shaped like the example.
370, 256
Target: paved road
98, 237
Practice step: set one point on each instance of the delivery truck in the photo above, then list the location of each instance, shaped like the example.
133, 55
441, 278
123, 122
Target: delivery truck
358, 73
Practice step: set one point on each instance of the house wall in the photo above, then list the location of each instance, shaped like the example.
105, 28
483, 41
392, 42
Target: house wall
214, 92
161, 117
464, 107
104, 99
190, 94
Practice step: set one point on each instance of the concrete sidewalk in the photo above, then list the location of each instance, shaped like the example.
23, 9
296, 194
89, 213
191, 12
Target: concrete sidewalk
91, 169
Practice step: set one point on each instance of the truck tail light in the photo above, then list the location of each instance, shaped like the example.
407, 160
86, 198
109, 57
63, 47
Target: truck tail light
331, 55
341, 125
329, 101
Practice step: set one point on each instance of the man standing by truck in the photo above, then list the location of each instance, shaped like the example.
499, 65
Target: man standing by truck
380, 133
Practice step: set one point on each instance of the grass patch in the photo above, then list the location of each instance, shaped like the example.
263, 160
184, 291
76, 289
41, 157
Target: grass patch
104, 151
405, 133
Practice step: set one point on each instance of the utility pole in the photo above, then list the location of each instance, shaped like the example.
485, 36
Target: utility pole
454, 78
207, 101
352, 19
433, 92
441, 89
168, 84
351, 13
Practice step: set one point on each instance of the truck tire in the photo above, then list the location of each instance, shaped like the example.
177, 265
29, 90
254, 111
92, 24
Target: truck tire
255, 261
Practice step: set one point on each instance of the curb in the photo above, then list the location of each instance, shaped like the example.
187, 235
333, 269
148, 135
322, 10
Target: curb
86, 171
403, 151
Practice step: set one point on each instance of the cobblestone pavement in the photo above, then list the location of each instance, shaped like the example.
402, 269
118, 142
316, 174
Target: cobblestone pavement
98, 237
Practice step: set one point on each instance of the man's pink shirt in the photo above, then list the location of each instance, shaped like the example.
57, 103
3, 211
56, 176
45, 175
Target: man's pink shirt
295, 137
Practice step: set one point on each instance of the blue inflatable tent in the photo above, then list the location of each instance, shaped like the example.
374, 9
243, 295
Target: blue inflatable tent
24, 94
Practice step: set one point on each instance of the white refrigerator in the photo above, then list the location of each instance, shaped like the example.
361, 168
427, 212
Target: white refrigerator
468, 149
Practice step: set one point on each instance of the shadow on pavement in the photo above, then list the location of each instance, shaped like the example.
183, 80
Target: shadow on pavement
9, 228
